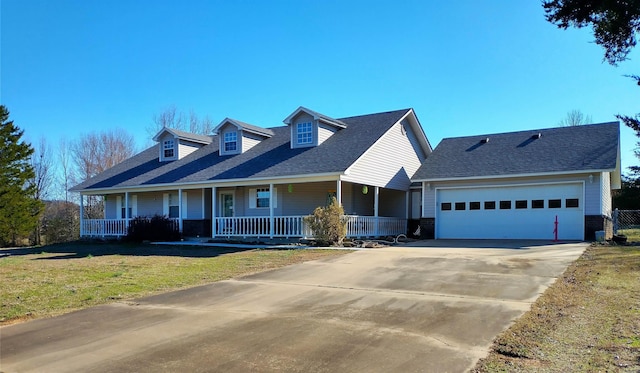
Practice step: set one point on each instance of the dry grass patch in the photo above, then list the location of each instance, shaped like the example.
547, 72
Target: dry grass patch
587, 321
51, 280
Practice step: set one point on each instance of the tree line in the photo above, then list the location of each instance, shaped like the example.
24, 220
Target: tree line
36, 206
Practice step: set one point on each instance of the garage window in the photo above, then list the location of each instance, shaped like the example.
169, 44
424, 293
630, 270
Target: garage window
555, 203
505, 205
474, 205
490, 205
537, 204
571, 202
445, 206
460, 206
521, 204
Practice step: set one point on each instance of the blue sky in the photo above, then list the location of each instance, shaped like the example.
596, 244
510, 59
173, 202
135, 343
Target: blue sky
466, 67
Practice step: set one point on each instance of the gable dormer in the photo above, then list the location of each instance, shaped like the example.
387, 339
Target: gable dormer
175, 144
310, 128
237, 137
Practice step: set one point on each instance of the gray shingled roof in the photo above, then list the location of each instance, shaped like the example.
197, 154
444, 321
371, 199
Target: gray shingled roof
563, 149
272, 157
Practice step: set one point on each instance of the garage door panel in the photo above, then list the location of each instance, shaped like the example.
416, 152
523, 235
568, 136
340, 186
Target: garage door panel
531, 223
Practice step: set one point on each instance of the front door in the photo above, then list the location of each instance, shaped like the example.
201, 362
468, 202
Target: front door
226, 205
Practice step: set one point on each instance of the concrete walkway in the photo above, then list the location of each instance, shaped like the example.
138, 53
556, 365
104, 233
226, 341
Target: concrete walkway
400, 309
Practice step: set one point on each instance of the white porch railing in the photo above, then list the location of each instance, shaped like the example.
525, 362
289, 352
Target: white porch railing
260, 226
106, 227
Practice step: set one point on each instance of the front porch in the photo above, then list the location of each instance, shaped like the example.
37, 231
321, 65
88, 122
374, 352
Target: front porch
256, 226
273, 210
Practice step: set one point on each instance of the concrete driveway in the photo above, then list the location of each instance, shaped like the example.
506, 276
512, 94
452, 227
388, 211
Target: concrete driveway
434, 307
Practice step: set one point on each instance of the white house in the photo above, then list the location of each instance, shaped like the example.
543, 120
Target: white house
249, 181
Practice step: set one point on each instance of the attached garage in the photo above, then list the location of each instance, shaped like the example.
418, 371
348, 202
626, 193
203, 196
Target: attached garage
513, 185
507, 212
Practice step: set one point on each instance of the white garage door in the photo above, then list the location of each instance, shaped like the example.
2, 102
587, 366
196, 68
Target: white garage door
527, 212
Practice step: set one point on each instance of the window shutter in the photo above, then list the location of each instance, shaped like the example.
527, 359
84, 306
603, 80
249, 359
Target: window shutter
134, 206
165, 204
119, 207
184, 205
252, 198
275, 198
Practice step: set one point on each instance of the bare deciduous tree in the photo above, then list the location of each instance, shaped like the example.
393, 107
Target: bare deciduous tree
96, 152
170, 117
575, 118
42, 165
67, 174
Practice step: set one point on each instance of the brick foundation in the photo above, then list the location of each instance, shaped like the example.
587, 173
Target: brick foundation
427, 228
593, 223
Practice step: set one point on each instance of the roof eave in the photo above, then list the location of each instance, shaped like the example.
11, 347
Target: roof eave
510, 176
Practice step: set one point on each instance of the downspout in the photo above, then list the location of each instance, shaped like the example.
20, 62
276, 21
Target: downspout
214, 198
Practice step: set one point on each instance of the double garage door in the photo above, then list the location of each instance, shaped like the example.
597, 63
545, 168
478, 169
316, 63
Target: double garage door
511, 212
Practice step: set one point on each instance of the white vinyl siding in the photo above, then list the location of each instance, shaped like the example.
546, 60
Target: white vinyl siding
605, 185
324, 132
186, 147
249, 140
390, 162
149, 204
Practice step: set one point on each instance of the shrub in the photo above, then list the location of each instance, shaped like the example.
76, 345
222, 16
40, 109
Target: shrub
328, 224
156, 228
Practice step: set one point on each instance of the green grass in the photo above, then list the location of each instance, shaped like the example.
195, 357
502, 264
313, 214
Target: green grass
633, 235
51, 280
587, 321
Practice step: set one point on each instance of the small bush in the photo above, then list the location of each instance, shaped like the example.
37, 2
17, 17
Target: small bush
328, 224
156, 228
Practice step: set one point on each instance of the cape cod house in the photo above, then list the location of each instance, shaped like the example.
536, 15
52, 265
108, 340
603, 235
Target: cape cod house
249, 181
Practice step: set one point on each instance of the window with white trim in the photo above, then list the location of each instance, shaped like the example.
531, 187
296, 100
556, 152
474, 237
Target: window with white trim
230, 141
174, 206
305, 133
259, 198
168, 147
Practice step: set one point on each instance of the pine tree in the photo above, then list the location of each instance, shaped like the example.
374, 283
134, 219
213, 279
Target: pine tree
19, 210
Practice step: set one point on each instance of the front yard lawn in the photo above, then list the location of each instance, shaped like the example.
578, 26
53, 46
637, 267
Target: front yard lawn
587, 321
51, 280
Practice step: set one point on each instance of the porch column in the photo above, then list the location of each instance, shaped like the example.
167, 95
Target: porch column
339, 192
180, 210
271, 219
82, 227
375, 209
214, 198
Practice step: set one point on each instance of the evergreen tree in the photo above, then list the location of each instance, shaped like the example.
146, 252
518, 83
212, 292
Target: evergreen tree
19, 210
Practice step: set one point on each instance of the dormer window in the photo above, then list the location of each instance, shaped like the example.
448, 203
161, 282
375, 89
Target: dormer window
230, 141
169, 148
305, 133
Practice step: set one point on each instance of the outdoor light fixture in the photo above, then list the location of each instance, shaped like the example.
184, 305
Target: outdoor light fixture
590, 179
365, 189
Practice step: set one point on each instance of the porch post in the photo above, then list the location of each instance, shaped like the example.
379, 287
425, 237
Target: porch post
82, 227
214, 196
375, 208
339, 192
180, 210
271, 218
